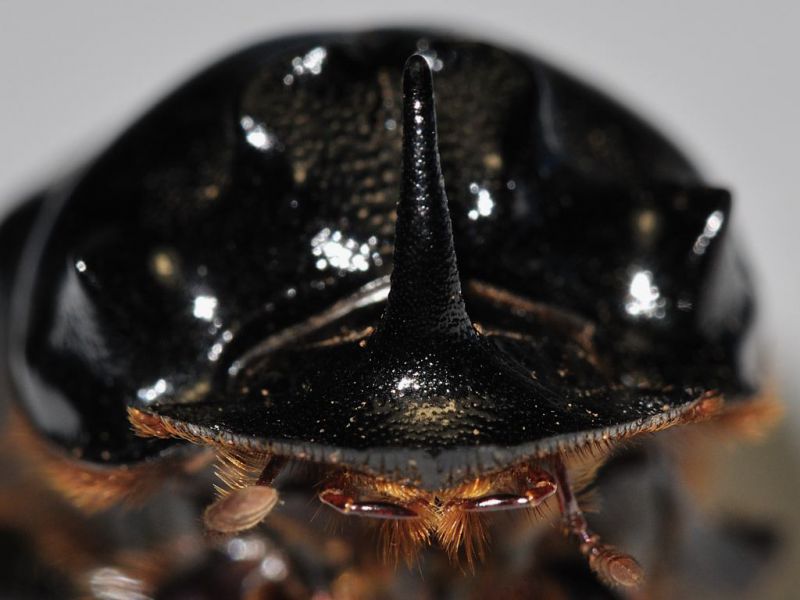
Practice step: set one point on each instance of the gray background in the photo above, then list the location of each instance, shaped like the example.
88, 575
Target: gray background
721, 78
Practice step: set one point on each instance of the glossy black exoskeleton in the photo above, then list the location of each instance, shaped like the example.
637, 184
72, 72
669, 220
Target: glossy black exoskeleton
284, 256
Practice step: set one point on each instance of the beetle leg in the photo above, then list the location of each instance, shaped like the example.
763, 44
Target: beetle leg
93, 488
403, 530
245, 507
344, 502
403, 516
611, 565
540, 486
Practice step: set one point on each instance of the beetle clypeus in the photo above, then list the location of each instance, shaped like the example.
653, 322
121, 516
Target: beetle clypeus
276, 264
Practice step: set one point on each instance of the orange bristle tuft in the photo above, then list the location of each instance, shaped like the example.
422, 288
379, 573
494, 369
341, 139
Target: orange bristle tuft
462, 534
403, 540
237, 468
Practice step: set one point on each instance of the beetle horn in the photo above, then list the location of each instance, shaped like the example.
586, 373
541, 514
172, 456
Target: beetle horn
425, 294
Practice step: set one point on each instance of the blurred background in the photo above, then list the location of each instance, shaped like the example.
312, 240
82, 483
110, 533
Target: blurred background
719, 78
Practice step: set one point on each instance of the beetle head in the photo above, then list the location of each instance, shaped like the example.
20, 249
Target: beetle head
419, 392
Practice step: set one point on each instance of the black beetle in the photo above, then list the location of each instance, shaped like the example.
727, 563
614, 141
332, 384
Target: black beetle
267, 263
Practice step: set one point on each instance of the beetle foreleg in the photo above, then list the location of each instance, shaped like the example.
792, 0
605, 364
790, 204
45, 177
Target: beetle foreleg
405, 515
611, 565
539, 486
345, 504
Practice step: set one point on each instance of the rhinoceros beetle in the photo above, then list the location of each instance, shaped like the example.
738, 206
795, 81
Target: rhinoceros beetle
446, 278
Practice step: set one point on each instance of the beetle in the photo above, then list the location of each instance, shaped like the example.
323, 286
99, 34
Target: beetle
445, 277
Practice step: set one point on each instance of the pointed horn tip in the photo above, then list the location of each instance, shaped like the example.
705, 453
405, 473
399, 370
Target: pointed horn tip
417, 71
425, 273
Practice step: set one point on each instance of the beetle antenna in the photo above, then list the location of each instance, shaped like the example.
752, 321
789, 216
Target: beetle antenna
425, 295
246, 504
